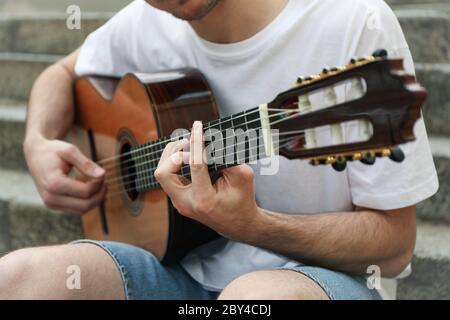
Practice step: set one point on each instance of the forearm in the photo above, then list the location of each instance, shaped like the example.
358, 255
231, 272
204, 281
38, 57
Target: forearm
50, 108
346, 241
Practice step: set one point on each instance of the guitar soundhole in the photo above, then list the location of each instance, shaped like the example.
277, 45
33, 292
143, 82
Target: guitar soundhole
128, 172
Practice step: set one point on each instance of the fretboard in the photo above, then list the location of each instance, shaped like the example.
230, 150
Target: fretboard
240, 147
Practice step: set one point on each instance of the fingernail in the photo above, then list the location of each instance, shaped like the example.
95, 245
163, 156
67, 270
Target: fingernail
98, 172
197, 125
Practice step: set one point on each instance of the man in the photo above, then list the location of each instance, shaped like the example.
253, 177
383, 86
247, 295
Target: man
304, 233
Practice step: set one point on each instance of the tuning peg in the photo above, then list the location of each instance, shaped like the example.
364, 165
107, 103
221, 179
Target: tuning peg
357, 156
369, 159
397, 155
326, 70
353, 60
300, 80
380, 53
340, 164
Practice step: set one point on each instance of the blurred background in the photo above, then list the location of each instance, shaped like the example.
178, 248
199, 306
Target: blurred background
33, 34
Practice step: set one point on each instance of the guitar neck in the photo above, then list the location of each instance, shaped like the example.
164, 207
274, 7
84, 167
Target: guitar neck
231, 141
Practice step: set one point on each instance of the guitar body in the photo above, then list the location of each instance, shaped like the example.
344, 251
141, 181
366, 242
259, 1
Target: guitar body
113, 115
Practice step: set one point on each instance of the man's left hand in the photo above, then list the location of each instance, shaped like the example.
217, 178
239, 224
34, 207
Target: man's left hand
229, 206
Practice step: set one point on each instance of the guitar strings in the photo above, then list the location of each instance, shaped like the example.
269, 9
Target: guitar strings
154, 160
153, 168
215, 150
166, 140
173, 139
126, 189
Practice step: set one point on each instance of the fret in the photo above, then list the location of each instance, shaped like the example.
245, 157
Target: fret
239, 124
138, 166
226, 123
150, 163
141, 168
213, 123
253, 119
229, 141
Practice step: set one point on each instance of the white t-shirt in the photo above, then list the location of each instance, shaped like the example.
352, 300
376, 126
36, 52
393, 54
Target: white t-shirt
307, 36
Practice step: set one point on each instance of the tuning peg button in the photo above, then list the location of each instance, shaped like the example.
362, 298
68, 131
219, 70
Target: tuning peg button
340, 164
397, 155
381, 53
369, 159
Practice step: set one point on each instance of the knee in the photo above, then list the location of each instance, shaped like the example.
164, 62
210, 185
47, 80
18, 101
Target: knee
15, 269
247, 287
273, 285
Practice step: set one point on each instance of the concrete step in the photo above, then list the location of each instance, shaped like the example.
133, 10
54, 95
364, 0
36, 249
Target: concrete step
404, 2
436, 79
45, 33
24, 221
25, 6
426, 28
437, 209
18, 72
430, 266
12, 130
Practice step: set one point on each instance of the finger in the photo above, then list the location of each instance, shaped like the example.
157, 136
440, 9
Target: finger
63, 185
167, 172
172, 148
201, 181
75, 205
73, 155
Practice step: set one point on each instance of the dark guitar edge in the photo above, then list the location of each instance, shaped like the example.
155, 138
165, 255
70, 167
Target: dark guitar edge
184, 234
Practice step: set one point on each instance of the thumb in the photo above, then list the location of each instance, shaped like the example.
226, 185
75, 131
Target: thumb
73, 155
239, 174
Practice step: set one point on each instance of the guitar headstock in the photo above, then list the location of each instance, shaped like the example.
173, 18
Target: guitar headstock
356, 112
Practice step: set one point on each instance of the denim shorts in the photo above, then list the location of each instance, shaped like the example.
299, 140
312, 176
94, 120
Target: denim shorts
145, 278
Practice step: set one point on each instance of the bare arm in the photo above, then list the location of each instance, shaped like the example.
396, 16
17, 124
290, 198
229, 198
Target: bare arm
346, 241
50, 109
50, 116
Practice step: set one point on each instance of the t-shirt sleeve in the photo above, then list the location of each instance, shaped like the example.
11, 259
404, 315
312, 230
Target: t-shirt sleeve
388, 185
110, 50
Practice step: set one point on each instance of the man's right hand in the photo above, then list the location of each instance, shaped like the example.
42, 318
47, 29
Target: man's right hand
50, 162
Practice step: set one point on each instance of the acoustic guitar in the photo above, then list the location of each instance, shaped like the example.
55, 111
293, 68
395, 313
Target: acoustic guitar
124, 125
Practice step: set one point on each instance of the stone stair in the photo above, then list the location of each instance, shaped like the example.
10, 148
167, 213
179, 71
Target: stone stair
23, 55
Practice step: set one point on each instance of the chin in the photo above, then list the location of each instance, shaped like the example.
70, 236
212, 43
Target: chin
185, 9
